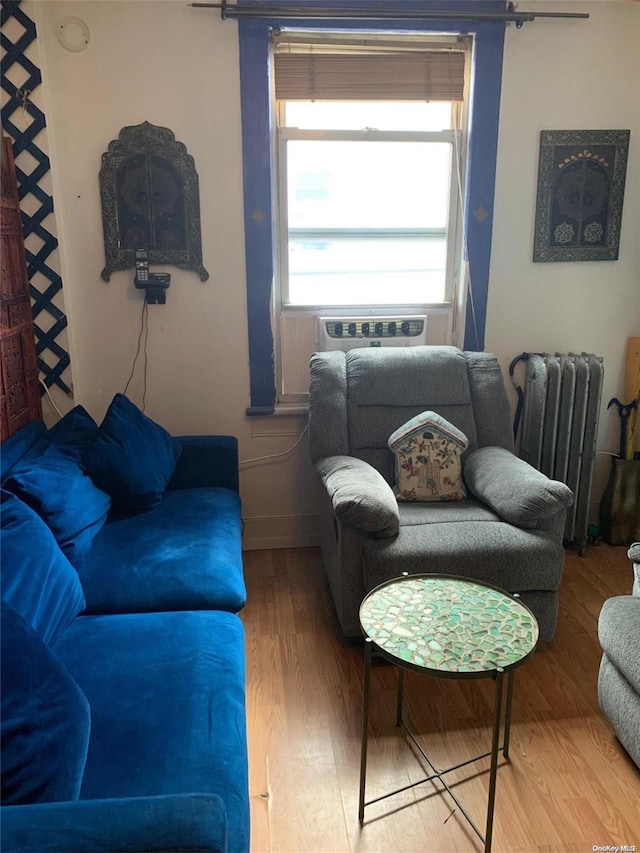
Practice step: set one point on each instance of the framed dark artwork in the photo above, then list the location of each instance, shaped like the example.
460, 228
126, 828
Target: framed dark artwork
581, 176
150, 200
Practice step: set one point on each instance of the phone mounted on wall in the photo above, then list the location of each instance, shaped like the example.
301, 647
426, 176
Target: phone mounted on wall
154, 283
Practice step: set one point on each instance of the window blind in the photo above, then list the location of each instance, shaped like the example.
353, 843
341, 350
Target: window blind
320, 73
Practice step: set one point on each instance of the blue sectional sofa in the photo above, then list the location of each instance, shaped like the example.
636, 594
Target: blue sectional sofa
123, 688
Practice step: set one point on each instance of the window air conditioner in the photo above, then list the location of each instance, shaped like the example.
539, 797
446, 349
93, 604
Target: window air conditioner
345, 333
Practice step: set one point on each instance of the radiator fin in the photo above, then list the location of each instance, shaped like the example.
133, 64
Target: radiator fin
560, 425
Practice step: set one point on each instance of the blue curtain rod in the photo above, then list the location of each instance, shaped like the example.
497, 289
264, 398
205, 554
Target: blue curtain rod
231, 10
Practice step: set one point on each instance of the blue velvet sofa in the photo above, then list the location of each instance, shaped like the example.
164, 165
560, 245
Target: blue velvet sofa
123, 688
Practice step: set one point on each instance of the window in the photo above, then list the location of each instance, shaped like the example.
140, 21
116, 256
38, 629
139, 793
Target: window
259, 141
368, 194
365, 214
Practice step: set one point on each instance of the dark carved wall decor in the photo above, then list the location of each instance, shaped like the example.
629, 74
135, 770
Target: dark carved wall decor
150, 200
581, 177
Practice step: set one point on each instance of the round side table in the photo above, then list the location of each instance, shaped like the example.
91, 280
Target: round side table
447, 626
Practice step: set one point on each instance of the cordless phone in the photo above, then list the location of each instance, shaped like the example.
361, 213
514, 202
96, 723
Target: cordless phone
154, 283
142, 268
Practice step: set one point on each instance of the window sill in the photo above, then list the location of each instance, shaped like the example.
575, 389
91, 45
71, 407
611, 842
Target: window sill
280, 410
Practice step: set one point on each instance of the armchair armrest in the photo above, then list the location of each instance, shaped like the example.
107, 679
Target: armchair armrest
360, 495
514, 489
207, 460
177, 822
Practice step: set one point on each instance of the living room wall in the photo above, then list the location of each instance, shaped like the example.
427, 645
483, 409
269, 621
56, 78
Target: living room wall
176, 66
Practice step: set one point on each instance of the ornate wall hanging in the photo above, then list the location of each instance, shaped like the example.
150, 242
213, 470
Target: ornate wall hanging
581, 175
150, 200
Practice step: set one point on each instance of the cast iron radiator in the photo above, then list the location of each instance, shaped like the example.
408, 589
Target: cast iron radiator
558, 414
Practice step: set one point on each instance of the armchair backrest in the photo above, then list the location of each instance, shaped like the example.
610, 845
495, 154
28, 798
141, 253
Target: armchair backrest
358, 398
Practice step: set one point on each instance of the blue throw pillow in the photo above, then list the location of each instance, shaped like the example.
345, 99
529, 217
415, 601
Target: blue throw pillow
73, 434
45, 720
132, 457
37, 579
65, 498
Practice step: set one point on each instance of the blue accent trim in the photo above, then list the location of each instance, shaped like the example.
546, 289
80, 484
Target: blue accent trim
258, 222
254, 42
483, 152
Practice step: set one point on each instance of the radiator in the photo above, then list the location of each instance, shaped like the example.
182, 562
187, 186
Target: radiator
560, 406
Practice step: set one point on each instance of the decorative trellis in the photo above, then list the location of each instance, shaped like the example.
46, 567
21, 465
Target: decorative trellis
49, 320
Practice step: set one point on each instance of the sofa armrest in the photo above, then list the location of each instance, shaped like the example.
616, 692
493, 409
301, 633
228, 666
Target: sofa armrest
177, 822
360, 495
207, 460
514, 489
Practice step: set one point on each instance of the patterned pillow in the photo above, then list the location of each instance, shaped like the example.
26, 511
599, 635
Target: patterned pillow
427, 452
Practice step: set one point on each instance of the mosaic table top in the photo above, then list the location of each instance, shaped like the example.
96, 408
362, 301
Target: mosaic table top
448, 625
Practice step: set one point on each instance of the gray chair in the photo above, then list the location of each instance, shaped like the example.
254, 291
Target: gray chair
619, 677
508, 532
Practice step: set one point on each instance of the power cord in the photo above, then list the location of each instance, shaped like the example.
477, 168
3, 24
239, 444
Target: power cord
144, 330
51, 400
276, 455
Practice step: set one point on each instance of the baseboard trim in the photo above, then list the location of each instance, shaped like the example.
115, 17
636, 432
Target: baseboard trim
280, 531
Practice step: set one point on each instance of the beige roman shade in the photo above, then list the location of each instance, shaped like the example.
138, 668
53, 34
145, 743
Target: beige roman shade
355, 73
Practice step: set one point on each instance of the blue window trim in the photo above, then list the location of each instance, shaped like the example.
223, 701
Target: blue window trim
254, 44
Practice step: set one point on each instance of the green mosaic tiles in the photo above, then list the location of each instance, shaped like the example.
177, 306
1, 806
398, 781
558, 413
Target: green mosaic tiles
448, 624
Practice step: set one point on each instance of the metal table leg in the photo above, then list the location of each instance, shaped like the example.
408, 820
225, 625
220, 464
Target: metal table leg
495, 748
507, 716
400, 696
368, 645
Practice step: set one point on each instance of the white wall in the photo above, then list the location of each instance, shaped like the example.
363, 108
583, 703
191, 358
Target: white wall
566, 74
176, 66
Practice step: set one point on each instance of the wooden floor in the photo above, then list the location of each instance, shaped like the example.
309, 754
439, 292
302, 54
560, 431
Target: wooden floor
568, 785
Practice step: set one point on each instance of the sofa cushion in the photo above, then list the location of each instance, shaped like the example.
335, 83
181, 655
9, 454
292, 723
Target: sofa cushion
514, 489
37, 579
175, 722
71, 505
183, 555
74, 433
508, 557
132, 458
45, 719
175, 822
427, 450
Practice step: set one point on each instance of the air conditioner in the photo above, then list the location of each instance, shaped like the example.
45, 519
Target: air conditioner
345, 333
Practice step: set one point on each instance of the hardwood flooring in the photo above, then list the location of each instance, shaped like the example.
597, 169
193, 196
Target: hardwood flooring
568, 785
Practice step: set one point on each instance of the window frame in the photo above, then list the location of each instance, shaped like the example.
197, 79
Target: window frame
258, 131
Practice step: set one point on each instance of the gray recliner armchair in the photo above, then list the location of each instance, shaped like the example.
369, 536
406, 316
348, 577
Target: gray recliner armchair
507, 532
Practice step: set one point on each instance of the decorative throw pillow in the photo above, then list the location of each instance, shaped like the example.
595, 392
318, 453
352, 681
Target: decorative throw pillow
132, 457
64, 497
45, 720
427, 450
37, 579
73, 434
